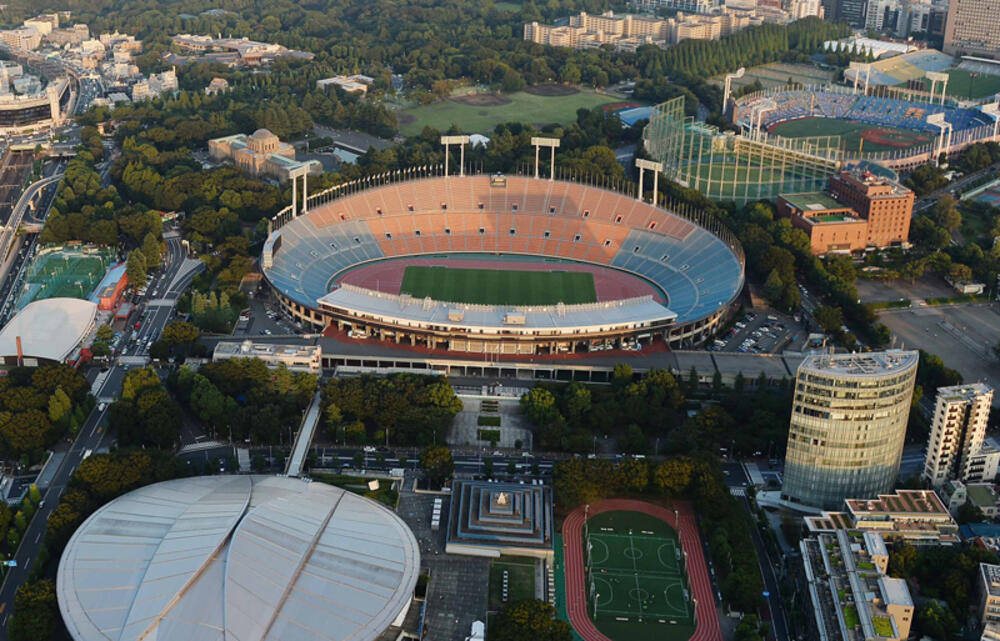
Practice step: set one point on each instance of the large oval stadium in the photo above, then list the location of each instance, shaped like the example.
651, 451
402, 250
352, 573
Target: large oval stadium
501, 264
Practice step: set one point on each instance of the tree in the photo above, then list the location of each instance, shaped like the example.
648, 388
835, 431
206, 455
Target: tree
437, 463
960, 273
947, 214
180, 333
831, 319
539, 405
35, 611
673, 476
105, 333
969, 512
152, 250
59, 405
135, 269
529, 619
773, 286
137, 380
634, 474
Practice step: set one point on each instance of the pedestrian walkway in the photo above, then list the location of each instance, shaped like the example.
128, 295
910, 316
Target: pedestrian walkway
303, 440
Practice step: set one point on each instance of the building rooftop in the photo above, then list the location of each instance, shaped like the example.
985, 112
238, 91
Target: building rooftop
253, 558
967, 392
981, 494
895, 592
813, 201
990, 578
50, 328
916, 502
862, 364
875, 544
252, 350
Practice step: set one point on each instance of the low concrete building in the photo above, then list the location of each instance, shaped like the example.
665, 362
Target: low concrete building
832, 227
493, 519
297, 358
989, 593
916, 516
852, 598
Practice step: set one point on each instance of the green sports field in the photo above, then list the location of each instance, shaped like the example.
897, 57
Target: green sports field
498, 287
850, 133
70, 273
520, 107
637, 578
964, 86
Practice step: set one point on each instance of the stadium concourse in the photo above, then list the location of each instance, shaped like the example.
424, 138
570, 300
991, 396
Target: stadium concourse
690, 261
707, 629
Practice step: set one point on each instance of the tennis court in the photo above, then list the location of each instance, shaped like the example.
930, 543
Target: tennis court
498, 287
636, 576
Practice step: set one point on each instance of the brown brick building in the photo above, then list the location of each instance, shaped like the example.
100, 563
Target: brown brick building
885, 204
860, 211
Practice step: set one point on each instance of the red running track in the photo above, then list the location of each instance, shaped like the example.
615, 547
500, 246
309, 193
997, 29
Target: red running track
576, 591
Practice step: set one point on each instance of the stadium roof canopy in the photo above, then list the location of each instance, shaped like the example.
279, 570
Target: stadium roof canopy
50, 328
237, 557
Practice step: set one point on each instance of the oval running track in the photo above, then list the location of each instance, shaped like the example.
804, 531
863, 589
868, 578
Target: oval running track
576, 593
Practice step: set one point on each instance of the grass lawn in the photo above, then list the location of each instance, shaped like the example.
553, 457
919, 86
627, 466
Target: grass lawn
489, 421
849, 132
523, 107
520, 580
961, 84
495, 287
851, 618
882, 625
493, 436
359, 485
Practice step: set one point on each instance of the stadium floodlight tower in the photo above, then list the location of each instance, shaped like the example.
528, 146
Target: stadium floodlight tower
757, 111
993, 110
551, 143
858, 67
294, 175
729, 84
936, 77
461, 141
943, 145
642, 164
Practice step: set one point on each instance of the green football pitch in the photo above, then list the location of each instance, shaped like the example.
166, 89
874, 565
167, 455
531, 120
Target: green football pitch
965, 85
850, 133
498, 287
636, 578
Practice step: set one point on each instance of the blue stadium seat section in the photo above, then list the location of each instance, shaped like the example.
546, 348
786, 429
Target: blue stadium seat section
700, 274
310, 257
874, 110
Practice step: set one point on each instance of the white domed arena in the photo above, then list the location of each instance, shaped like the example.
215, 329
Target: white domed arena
253, 558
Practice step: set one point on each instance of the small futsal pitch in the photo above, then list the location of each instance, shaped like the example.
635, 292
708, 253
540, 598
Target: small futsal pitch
635, 571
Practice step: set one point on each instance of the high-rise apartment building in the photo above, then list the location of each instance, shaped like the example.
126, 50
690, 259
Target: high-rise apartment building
956, 449
848, 424
852, 12
973, 28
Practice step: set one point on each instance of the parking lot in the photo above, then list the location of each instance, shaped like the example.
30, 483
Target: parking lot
760, 333
264, 319
458, 590
962, 335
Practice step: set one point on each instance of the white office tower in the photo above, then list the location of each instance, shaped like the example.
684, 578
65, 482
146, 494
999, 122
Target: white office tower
849, 415
4, 81
956, 449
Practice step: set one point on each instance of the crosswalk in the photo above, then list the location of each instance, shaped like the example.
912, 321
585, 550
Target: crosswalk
738, 491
